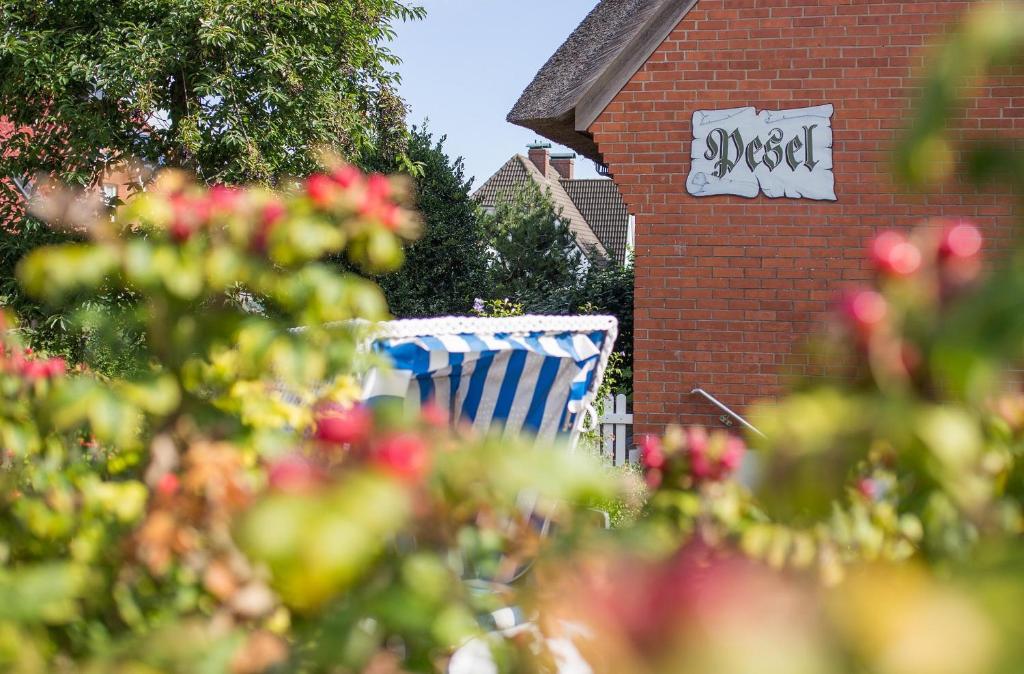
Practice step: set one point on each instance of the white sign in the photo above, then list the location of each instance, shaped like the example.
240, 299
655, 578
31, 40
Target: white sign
782, 153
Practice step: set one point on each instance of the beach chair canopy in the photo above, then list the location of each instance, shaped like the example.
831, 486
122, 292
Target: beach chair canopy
525, 374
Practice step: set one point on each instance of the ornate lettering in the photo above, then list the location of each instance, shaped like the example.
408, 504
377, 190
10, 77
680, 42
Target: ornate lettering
720, 149
773, 147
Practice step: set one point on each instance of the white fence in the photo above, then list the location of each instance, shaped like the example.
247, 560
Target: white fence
617, 430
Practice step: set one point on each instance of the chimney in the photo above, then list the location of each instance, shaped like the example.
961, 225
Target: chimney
540, 155
564, 163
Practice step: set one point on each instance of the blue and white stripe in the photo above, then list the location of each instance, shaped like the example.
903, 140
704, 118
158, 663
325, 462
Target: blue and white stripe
534, 382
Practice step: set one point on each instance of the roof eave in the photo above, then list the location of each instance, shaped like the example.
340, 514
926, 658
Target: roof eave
571, 127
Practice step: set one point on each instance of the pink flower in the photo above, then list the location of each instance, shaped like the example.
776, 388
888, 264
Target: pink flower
893, 254
343, 425
404, 455
652, 454
868, 488
701, 465
961, 241
865, 310
732, 456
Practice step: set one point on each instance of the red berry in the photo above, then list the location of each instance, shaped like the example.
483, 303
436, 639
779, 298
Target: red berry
168, 485
294, 474
322, 190
652, 455
343, 425
960, 241
893, 254
404, 455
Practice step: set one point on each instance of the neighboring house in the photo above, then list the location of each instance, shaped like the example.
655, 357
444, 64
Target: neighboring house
731, 281
117, 183
594, 208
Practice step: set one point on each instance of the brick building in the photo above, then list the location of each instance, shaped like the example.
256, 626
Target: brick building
728, 287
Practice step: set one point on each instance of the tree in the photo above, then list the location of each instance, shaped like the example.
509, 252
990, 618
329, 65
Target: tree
446, 268
240, 91
234, 92
534, 257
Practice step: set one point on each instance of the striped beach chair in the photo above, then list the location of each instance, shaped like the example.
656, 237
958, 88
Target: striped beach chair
533, 375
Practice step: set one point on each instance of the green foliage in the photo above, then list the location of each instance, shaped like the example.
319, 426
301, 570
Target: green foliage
446, 267
233, 91
534, 256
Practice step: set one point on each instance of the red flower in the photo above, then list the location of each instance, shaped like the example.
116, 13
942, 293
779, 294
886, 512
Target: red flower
389, 215
321, 190
346, 175
404, 455
343, 425
378, 187
56, 367
652, 454
224, 199
270, 215
893, 254
168, 485
189, 213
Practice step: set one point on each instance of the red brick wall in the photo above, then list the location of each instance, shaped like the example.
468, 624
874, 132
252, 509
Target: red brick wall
727, 288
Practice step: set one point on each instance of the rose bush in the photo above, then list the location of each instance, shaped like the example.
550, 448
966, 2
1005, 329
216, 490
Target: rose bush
233, 508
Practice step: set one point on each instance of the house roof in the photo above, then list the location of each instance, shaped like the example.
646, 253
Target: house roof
601, 204
592, 66
515, 173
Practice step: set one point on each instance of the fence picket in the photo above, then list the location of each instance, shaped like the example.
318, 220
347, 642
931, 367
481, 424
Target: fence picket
614, 429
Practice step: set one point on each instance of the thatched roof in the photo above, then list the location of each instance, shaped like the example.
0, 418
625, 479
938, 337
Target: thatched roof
593, 65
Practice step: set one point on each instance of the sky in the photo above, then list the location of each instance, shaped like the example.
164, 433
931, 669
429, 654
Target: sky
465, 65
